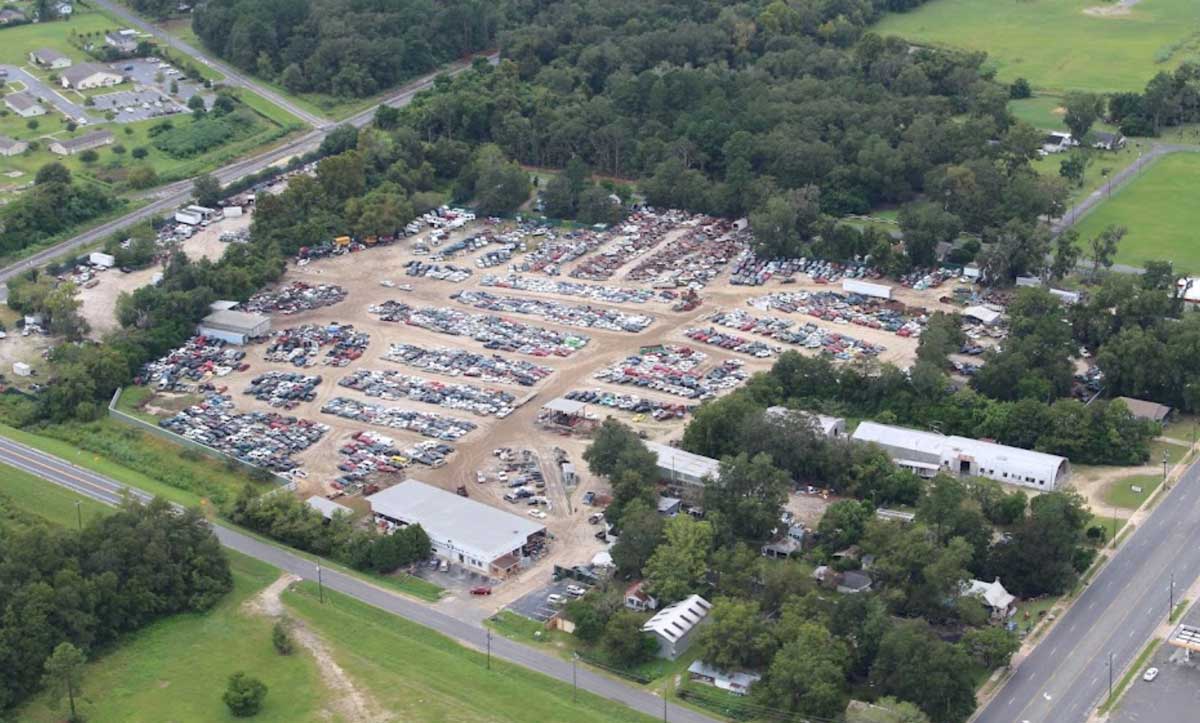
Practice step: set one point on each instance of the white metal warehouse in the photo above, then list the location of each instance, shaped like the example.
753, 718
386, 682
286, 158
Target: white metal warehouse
832, 427
682, 467
672, 627
928, 453
463, 531
234, 327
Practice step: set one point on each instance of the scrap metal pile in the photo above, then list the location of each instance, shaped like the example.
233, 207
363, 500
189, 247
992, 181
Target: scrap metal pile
843, 308
673, 369
660, 411
426, 424
608, 294
283, 389
493, 331
441, 272
295, 298
460, 362
637, 235
588, 317
730, 342
810, 336
696, 258
265, 439
191, 363
301, 345
393, 386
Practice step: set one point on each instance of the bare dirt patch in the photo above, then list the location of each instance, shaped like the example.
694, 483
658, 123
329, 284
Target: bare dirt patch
348, 700
1121, 8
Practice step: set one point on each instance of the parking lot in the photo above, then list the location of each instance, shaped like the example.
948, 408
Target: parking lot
137, 104
1174, 695
536, 605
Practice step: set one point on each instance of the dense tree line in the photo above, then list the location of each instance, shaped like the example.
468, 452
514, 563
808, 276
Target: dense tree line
88, 587
54, 204
285, 518
344, 48
1170, 99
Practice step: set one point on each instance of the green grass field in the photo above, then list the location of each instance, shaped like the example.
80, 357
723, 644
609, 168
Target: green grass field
1155, 210
1040, 40
420, 675
18, 41
1120, 493
50, 502
176, 669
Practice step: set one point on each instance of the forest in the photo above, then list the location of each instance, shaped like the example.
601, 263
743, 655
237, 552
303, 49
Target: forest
89, 587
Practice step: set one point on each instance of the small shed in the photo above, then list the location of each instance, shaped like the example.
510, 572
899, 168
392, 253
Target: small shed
22, 369
669, 506
738, 683
1143, 409
327, 508
983, 314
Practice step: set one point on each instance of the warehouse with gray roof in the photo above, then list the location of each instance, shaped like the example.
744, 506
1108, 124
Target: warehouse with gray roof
927, 453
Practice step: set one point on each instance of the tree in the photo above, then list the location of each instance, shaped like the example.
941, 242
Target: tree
625, 643
558, 199
174, 89
991, 647
843, 524
678, 566
386, 117
244, 695
1074, 166
64, 673
885, 710
32, 124
500, 186
1066, 253
1104, 246
1019, 89
617, 453
808, 674
52, 173
914, 665
736, 636
747, 498
641, 533
206, 189
1083, 109
1043, 553
118, 149
143, 176
292, 78
89, 156
924, 226
280, 638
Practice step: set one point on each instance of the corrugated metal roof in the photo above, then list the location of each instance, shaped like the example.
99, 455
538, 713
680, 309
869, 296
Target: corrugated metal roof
449, 518
681, 462
676, 620
565, 406
328, 508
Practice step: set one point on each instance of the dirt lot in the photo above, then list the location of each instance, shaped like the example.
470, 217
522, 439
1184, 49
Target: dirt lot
100, 301
362, 273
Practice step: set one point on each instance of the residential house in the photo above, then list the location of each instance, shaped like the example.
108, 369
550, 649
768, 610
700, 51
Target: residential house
638, 600
786, 545
738, 682
71, 146
49, 58
124, 40
1151, 411
24, 104
1108, 141
674, 625
11, 146
853, 582
1000, 602
1057, 142
64, 9
90, 75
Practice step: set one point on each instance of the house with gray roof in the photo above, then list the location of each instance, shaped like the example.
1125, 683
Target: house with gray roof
24, 104
12, 146
87, 141
49, 58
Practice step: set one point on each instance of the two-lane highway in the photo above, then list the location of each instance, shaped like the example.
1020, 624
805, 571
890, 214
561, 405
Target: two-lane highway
85, 482
1066, 675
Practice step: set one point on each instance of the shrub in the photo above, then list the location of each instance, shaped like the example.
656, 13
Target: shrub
244, 695
280, 638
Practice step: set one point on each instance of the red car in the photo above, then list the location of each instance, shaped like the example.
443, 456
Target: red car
481, 590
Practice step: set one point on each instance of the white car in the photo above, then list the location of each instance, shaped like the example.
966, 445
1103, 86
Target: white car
555, 599
1150, 675
576, 590
537, 514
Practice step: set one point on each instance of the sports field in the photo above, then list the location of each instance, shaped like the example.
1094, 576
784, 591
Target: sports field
1155, 209
1040, 40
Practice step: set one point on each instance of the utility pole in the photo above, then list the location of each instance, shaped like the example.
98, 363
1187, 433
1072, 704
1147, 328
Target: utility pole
78, 514
1165, 470
1171, 609
320, 584
1110, 664
574, 680
489, 648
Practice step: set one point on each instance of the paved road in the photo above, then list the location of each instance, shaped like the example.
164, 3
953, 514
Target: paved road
1174, 695
232, 77
1066, 675
103, 489
169, 197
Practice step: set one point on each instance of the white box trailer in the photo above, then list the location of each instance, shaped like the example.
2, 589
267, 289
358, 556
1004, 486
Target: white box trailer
22, 369
189, 217
233, 211
101, 260
866, 288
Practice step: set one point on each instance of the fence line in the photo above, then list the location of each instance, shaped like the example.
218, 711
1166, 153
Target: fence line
281, 482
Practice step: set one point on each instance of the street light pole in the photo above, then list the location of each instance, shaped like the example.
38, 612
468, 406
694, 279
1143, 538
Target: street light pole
1110, 664
574, 681
489, 648
1168, 486
78, 514
1171, 609
320, 584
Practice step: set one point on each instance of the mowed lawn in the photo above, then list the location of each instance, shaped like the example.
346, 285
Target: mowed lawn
52, 503
421, 676
1056, 45
176, 669
1158, 213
